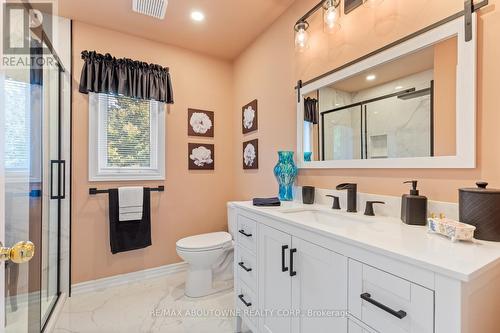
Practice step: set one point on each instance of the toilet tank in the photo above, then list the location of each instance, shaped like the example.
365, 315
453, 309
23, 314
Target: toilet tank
231, 219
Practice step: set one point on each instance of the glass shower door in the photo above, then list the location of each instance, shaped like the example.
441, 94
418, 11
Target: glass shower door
52, 169
31, 189
342, 137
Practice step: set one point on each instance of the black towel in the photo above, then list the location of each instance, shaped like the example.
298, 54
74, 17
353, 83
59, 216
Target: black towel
129, 235
266, 202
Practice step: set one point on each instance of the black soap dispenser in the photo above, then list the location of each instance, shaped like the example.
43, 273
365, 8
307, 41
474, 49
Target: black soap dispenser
413, 206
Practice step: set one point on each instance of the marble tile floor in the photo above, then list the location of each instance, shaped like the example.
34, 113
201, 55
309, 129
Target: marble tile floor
156, 305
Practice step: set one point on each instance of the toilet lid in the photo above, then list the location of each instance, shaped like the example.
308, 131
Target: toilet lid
213, 240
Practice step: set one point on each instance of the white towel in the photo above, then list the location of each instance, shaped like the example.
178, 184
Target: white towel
130, 203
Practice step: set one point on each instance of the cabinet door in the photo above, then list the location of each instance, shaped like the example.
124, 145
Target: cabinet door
274, 279
319, 290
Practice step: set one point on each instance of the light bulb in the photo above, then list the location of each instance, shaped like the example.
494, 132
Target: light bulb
330, 17
373, 3
301, 36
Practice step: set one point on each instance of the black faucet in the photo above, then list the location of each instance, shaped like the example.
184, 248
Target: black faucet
351, 195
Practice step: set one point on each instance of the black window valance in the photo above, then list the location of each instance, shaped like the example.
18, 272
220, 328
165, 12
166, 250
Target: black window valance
311, 110
136, 79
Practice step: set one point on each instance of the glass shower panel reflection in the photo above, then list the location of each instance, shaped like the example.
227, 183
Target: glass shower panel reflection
398, 127
342, 134
21, 168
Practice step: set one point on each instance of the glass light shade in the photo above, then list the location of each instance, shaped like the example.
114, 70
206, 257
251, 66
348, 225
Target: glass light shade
301, 38
373, 3
331, 19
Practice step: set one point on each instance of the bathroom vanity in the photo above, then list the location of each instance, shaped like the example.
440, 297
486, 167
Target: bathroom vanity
308, 268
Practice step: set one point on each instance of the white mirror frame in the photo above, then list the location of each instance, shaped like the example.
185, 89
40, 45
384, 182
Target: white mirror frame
466, 101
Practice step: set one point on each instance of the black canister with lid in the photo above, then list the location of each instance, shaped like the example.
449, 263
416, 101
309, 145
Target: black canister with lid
480, 207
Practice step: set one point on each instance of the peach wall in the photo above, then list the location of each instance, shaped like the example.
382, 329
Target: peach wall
269, 69
193, 202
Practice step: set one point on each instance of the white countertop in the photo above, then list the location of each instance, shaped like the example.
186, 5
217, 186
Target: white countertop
390, 237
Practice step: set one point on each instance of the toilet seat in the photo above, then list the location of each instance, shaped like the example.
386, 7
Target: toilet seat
205, 242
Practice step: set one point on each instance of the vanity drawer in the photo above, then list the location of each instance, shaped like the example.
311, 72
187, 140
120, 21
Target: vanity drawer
246, 301
355, 328
388, 303
246, 267
247, 232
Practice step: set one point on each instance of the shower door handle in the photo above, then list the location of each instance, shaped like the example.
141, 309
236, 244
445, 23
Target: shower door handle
61, 168
19, 253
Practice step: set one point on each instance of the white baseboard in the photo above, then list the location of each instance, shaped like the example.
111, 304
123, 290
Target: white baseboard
121, 279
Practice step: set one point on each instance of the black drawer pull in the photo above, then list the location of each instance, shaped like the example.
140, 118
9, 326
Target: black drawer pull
247, 304
242, 265
283, 267
398, 314
244, 233
292, 272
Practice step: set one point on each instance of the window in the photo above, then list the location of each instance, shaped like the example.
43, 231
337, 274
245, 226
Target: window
17, 126
126, 138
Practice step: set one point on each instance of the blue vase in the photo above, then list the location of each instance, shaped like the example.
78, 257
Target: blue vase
307, 156
285, 172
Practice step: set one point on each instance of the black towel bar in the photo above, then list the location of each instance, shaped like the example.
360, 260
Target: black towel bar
94, 191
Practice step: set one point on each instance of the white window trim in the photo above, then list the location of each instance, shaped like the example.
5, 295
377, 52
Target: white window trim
97, 172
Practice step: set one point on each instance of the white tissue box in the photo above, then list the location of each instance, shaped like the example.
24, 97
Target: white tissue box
451, 228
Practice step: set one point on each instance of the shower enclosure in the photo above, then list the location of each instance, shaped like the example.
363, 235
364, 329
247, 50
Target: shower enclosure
32, 184
394, 125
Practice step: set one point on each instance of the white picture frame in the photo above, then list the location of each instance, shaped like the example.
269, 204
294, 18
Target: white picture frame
465, 100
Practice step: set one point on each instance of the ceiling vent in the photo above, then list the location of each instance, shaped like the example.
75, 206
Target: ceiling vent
154, 8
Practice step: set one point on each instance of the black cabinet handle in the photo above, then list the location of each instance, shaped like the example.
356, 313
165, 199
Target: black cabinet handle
398, 314
244, 233
283, 267
242, 265
247, 304
292, 272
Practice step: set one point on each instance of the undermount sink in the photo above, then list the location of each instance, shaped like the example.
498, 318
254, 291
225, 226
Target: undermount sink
316, 215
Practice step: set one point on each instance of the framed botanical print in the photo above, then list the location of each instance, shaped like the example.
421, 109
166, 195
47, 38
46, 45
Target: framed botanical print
249, 117
201, 156
251, 154
201, 123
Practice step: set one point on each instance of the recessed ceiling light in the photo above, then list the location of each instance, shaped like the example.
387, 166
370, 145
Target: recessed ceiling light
398, 88
197, 16
371, 77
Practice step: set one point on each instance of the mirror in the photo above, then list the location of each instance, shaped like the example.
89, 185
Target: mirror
402, 107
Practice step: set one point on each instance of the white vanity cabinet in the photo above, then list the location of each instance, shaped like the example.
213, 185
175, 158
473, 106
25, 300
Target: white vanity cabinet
303, 287
294, 275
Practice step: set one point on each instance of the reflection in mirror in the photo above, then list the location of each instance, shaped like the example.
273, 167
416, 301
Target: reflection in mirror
402, 108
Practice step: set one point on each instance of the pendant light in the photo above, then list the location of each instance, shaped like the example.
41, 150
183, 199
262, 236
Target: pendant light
331, 16
301, 36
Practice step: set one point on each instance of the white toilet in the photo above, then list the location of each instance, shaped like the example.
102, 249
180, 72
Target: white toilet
205, 254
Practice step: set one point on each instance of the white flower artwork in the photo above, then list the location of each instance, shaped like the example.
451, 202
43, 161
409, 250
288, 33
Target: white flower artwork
248, 117
201, 156
249, 155
200, 122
